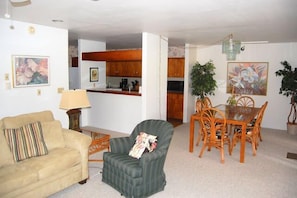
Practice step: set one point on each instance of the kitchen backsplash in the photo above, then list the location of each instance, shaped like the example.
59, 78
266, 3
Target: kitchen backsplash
114, 82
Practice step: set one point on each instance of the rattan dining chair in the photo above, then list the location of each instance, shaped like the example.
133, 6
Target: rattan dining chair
214, 131
245, 101
253, 132
207, 102
201, 104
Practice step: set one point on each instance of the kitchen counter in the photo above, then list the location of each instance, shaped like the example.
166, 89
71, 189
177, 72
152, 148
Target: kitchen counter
114, 91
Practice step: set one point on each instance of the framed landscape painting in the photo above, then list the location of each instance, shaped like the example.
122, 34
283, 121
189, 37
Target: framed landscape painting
30, 71
247, 78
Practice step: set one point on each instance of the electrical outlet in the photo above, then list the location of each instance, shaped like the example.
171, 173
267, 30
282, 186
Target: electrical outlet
38, 92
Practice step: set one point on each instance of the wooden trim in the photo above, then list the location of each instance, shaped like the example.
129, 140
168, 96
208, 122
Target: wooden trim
117, 55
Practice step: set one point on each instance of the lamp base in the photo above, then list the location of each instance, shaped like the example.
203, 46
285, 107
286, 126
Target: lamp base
74, 116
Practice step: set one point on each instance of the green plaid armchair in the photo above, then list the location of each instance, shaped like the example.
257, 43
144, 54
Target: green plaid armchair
138, 177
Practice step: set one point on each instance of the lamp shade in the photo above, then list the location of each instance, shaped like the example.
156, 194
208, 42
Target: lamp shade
74, 99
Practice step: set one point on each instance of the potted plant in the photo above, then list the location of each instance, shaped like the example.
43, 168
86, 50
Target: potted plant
289, 89
203, 83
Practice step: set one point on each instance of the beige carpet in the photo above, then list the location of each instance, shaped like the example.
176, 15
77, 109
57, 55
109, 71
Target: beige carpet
269, 174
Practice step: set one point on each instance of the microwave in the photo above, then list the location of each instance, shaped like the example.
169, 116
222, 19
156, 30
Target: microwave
175, 86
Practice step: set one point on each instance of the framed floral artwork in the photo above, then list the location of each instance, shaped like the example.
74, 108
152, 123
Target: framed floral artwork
94, 75
30, 71
247, 78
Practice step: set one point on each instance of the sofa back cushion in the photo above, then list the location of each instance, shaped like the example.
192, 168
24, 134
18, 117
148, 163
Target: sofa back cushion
21, 120
52, 133
5, 153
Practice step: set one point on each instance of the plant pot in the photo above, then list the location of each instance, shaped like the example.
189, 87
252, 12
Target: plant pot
292, 128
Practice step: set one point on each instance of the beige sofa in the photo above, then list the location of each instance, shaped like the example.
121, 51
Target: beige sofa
64, 164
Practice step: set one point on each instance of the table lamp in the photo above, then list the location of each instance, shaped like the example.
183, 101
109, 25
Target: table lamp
73, 101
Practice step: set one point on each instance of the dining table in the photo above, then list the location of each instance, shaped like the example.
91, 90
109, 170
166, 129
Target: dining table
235, 115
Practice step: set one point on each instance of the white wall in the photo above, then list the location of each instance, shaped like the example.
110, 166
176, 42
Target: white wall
154, 76
91, 46
114, 112
84, 73
278, 105
46, 41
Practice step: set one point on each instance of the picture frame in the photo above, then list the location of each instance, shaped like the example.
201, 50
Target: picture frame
30, 70
247, 78
94, 74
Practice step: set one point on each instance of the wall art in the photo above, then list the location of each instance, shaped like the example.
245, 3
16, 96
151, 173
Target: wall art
247, 78
94, 74
30, 71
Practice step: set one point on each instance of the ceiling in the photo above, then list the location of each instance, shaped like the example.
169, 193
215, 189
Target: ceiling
120, 23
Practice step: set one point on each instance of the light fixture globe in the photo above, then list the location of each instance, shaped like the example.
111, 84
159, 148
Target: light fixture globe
231, 48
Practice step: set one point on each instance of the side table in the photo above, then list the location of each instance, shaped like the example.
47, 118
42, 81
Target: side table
100, 141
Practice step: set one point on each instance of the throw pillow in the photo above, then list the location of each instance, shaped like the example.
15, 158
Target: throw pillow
52, 134
26, 141
144, 143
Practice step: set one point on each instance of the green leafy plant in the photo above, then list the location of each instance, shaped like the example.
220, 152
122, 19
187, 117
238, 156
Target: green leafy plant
289, 87
203, 83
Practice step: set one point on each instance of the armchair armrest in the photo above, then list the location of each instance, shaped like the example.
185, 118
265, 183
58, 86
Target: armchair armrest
80, 142
147, 158
152, 164
120, 145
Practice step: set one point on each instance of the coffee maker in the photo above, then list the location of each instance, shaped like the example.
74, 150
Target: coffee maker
124, 84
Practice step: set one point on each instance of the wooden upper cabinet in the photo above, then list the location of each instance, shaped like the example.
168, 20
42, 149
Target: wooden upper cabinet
176, 67
116, 55
133, 68
114, 68
124, 68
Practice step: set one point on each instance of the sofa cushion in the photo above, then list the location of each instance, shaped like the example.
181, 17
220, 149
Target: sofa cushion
21, 120
26, 141
52, 134
32, 170
16, 176
5, 154
56, 161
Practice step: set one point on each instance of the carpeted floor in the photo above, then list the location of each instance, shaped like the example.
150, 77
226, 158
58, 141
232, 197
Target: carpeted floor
269, 174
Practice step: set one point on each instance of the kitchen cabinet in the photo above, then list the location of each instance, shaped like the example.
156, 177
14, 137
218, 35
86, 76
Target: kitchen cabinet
176, 67
114, 68
123, 68
175, 104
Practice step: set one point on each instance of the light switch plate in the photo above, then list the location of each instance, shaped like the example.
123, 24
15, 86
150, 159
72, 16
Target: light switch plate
6, 76
60, 89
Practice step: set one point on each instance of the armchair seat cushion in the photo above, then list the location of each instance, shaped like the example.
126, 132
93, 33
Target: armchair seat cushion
123, 163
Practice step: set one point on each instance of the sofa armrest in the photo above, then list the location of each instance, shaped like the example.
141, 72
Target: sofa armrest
120, 145
80, 142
